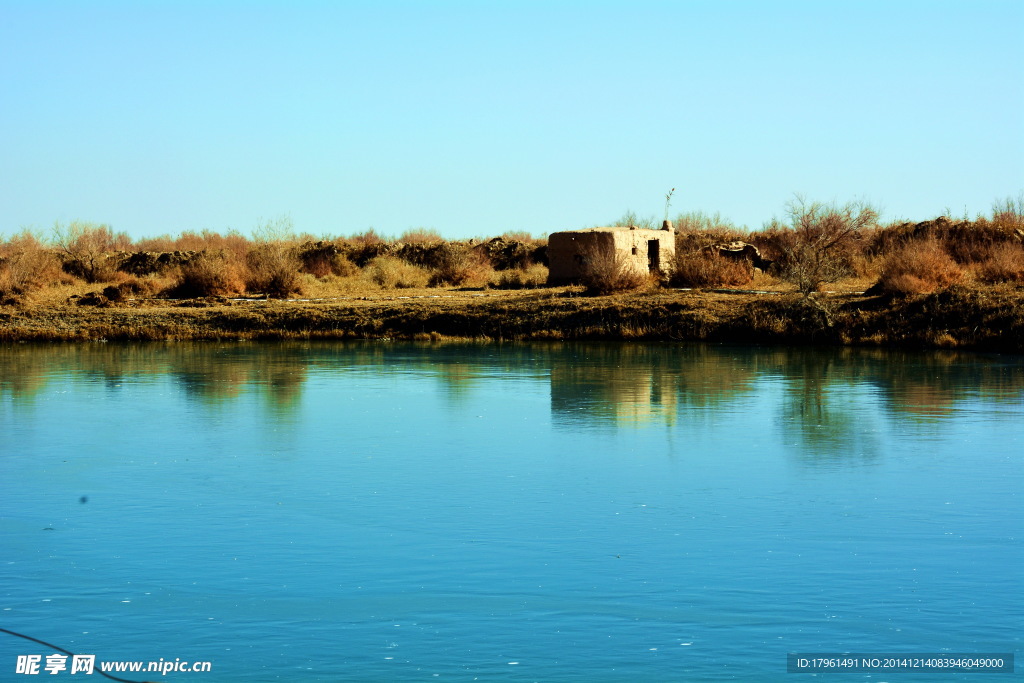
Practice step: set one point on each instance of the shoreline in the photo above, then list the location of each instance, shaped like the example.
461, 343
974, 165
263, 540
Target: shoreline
977, 319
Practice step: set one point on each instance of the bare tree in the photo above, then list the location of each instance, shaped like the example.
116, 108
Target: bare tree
815, 248
85, 248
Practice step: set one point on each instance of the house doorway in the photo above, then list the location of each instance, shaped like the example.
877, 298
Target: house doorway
653, 256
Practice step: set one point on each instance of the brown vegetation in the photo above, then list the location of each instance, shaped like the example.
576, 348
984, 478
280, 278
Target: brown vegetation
982, 319
708, 268
525, 277
919, 267
1003, 263
606, 271
817, 246
85, 249
459, 265
938, 274
421, 236
210, 274
392, 272
26, 265
273, 270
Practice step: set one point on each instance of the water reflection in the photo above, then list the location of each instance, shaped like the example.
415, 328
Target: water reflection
825, 400
594, 385
826, 404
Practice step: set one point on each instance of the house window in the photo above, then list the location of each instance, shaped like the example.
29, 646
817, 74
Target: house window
635, 251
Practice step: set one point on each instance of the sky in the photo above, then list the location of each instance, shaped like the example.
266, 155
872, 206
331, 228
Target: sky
478, 118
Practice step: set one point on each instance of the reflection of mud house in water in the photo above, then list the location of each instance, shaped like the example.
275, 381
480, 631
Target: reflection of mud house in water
570, 253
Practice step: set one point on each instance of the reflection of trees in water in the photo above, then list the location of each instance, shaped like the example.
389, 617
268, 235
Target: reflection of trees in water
210, 373
219, 374
829, 398
824, 409
594, 384
215, 374
927, 386
591, 384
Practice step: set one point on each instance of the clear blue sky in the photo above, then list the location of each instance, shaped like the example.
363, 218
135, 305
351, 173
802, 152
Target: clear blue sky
474, 118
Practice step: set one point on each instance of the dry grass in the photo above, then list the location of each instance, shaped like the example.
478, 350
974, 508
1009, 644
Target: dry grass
527, 277
606, 271
421, 236
83, 267
85, 249
920, 267
1008, 213
696, 230
1004, 263
232, 242
273, 270
523, 236
370, 236
391, 272
26, 266
985, 319
707, 268
817, 246
458, 265
323, 259
209, 275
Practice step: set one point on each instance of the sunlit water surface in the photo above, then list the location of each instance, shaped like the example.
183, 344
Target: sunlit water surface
401, 512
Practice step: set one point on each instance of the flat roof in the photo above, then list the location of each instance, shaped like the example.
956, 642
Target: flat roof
616, 228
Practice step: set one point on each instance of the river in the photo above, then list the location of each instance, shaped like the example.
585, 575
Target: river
521, 512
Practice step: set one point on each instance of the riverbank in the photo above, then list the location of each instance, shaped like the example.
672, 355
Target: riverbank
986, 319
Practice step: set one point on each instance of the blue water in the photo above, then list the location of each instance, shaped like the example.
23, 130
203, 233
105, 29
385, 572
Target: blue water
598, 512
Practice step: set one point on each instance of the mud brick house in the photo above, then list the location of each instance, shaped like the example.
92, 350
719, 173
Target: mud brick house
571, 252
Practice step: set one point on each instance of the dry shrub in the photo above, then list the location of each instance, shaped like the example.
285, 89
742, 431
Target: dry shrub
366, 237
27, 265
1005, 263
10, 288
318, 265
459, 265
326, 266
323, 259
965, 241
1008, 213
862, 264
512, 253
391, 272
420, 236
971, 243
121, 292
708, 268
273, 270
207, 275
818, 246
154, 263
523, 236
85, 249
527, 277
159, 243
631, 220
696, 230
232, 242
920, 267
125, 285
606, 271
146, 286
362, 254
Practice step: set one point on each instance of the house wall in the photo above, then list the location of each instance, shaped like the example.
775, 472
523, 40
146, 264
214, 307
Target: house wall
567, 251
